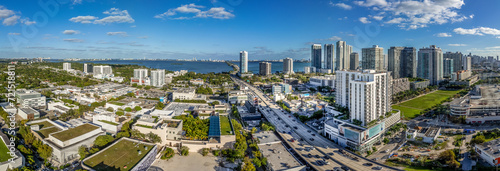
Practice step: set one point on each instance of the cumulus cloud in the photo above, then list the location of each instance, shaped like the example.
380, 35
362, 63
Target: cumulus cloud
443, 35
477, 31
118, 33
413, 14
457, 45
364, 20
369, 3
333, 38
12, 20
83, 19
115, 15
341, 5
195, 11
74, 40
77, 2
71, 32
16, 34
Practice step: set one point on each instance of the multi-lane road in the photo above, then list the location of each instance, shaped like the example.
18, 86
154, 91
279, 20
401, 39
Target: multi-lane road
289, 127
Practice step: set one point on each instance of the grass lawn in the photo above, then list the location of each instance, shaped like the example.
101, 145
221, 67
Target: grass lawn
144, 126
108, 122
412, 108
44, 133
75, 132
120, 154
225, 126
489, 139
43, 124
117, 103
4, 156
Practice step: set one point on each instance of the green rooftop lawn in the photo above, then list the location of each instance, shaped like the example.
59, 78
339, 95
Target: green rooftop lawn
225, 126
120, 154
108, 122
44, 133
43, 124
410, 109
144, 126
117, 103
74, 132
4, 156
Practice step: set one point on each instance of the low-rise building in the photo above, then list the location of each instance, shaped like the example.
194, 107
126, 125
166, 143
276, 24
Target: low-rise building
107, 121
30, 98
419, 84
346, 134
400, 84
427, 135
278, 157
480, 106
63, 139
28, 113
327, 80
168, 129
489, 152
10, 159
198, 81
237, 97
187, 94
58, 107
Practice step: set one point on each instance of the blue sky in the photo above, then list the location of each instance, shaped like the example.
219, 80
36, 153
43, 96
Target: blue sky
219, 29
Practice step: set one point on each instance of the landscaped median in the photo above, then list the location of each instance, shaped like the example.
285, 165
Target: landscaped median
412, 108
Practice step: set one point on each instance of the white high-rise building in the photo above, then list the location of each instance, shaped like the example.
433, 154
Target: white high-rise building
343, 58
288, 66
66, 66
243, 62
140, 73
158, 77
366, 93
467, 63
329, 56
88, 68
103, 69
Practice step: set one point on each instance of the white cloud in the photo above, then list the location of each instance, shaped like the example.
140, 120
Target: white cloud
334, 38
378, 17
77, 2
443, 35
413, 14
83, 19
27, 21
395, 21
118, 33
197, 10
369, 3
457, 45
341, 5
12, 20
74, 40
364, 20
16, 34
71, 32
143, 37
477, 31
115, 15
5, 13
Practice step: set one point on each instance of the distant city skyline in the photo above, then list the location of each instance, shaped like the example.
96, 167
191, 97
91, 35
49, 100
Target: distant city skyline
216, 29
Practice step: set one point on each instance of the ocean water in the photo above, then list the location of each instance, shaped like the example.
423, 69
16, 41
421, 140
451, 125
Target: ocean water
199, 66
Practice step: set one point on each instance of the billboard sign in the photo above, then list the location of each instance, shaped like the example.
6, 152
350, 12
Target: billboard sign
496, 161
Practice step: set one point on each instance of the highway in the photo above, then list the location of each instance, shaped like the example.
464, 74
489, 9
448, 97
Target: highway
289, 127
